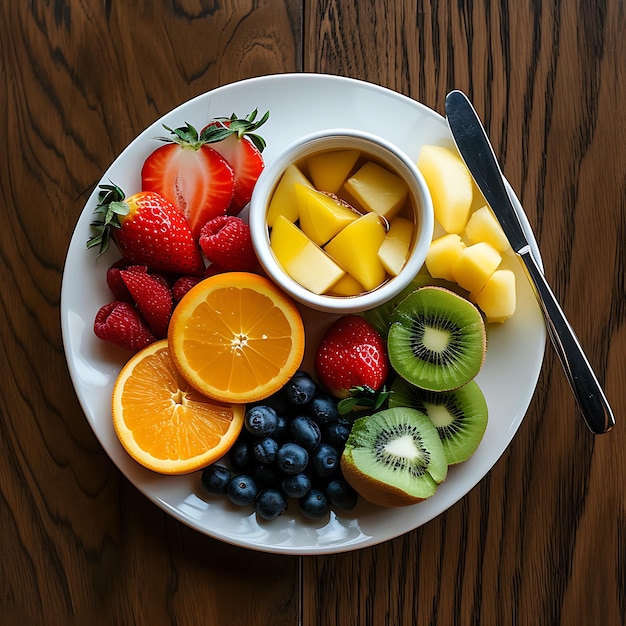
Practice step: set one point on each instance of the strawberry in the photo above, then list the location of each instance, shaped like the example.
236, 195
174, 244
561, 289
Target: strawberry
237, 142
148, 230
226, 242
191, 175
152, 296
351, 354
115, 282
121, 324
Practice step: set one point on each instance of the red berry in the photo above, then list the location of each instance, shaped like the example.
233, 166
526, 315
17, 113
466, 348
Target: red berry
226, 241
351, 354
115, 282
121, 324
152, 297
183, 285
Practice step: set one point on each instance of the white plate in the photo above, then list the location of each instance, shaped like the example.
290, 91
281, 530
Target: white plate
298, 104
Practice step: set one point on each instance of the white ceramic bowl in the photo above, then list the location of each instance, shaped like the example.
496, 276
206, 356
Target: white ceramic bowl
386, 153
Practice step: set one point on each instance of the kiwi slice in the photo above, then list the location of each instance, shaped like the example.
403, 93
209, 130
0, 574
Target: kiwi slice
460, 415
394, 457
437, 339
380, 316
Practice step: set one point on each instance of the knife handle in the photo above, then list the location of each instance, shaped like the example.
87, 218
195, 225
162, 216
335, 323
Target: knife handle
587, 390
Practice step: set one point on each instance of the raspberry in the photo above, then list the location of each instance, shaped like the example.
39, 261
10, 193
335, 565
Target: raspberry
121, 324
183, 285
115, 282
152, 296
225, 241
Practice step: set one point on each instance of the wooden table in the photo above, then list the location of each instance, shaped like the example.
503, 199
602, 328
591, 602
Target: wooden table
541, 539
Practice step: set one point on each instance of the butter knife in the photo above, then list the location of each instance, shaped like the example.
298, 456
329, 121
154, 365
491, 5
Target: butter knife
477, 153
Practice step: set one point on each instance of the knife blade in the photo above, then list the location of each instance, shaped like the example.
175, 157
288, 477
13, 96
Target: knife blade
477, 152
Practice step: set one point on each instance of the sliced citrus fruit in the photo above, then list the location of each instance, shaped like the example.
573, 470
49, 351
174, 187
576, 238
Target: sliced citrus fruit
165, 424
236, 337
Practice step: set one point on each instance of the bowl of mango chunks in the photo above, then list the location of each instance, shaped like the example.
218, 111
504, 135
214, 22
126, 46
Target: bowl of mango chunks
341, 220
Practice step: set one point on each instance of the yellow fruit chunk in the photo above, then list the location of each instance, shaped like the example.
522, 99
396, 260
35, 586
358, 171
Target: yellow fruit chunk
284, 200
475, 265
303, 260
236, 337
450, 185
377, 190
163, 422
347, 286
442, 254
483, 226
497, 298
394, 250
329, 170
355, 249
321, 217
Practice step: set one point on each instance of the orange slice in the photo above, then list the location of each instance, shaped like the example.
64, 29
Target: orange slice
236, 337
162, 422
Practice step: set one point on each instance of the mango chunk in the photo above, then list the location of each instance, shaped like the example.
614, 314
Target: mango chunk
497, 298
475, 265
394, 250
284, 201
377, 190
450, 184
355, 249
329, 170
442, 254
483, 226
321, 217
347, 286
304, 261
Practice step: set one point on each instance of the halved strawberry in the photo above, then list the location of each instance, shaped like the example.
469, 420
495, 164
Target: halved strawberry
235, 139
191, 175
148, 230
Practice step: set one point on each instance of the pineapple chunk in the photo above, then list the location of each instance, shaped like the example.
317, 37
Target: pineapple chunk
284, 200
347, 286
377, 190
305, 262
355, 249
329, 170
450, 184
394, 250
442, 254
483, 226
475, 265
497, 298
321, 217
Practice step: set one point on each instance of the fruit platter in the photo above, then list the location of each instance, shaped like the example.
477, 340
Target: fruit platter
203, 495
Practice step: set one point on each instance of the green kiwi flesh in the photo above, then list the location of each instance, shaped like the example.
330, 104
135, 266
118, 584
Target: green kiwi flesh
437, 339
394, 457
460, 416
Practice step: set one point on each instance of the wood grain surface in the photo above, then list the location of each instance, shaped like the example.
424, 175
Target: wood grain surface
541, 539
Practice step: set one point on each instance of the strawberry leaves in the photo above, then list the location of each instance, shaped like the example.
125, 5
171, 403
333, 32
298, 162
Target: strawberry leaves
223, 127
363, 398
110, 208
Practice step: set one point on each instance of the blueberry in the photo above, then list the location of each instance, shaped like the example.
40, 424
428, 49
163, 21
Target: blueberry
264, 450
305, 432
315, 504
240, 455
242, 489
277, 401
296, 486
266, 475
323, 409
215, 479
341, 494
337, 434
291, 458
281, 430
270, 503
325, 459
300, 390
261, 420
